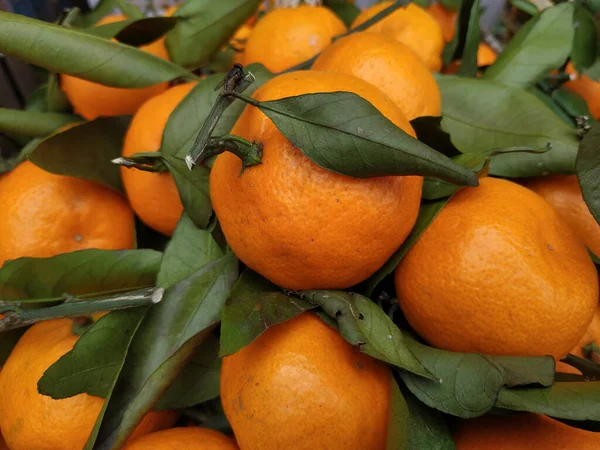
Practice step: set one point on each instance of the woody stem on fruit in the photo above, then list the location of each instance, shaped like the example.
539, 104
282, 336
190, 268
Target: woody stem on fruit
16, 316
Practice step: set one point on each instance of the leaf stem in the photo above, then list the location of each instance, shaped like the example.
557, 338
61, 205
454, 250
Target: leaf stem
249, 152
147, 162
15, 316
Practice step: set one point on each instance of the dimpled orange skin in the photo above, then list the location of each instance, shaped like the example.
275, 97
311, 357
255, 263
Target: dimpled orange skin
486, 56
188, 438
390, 66
302, 226
42, 215
446, 18
563, 192
286, 37
586, 88
498, 272
92, 100
153, 195
300, 385
411, 25
30, 420
521, 432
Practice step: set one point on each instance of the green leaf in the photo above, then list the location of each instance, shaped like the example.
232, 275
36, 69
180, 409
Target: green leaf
32, 123
8, 340
361, 322
577, 400
486, 114
56, 100
68, 50
85, 151
551, 104
465, 42
541, 45
136, 32
588, 170
525, 6
103, 8
93, 364
585, 39
427, 428
254, 305
168, 335
346, 134
36, 100
470, 382
398, 419
572, 104
209, 23
427, 213
344, 10
78, 273
429, 131
199, 381
451, 4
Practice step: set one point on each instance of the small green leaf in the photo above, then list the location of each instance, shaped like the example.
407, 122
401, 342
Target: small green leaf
585, 39
398, 432
204, 27
486, 114
78, 273
344, 10
465, 42
541, 45
525, 6
588, 170
577, 400
33, 123
85, 151
361, 322
68, 50
8, 340
56, 100
346, 134
254, 305
136, 32
470, 383
427, 213
572, 104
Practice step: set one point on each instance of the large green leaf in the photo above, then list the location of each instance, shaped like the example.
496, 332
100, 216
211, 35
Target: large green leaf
585, 39
398, 431
344, 133
204, 27
361, 322
68, 50
85, 272
33, 123
470, 383
588, 169
254, 305
85, 151
486, 114
169, 333
541, 45
136, 32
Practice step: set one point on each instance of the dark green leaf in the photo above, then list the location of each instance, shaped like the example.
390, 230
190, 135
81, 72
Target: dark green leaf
136, 32
199, 381
204, 27
103, 8
398, 419
344, 133
68, 50
585, 39
541, 45
551, 104
36, 101
565, 400
129, 9
361, 322
254, 305
465, 42
427, 428
32, 123
8, 340
429, 131
56, 100
85, 151
470, 382
486, 114
572, 104
525, 6
93, 364
588, 169
78, 273
451, 4
427, 214
344, 10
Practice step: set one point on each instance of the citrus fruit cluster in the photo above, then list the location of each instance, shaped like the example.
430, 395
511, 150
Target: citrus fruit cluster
307, 225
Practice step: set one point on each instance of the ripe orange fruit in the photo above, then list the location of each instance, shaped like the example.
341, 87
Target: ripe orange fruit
153, 196
188, 438
30, 420
388, 65
288, 36
446, 18
302, 372
43, 214
563, 192
411, 25
587, 88
498, 272
522, 432
486, 56
92, 100
302, 226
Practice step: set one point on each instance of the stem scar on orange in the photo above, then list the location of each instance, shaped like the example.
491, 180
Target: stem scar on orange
302, 226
